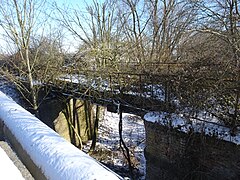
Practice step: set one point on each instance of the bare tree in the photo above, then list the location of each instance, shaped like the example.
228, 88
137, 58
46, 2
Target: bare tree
212, 53
221, 18
170, 20
48, 56
95, 28
23, 22
154, 29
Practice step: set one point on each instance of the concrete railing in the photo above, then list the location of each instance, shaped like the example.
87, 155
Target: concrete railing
46, 154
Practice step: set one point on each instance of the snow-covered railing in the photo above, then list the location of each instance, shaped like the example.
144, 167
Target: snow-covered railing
44, 152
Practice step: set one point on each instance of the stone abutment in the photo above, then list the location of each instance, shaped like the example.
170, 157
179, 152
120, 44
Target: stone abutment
173, 154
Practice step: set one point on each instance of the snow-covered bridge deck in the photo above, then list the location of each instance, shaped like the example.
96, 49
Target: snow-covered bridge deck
43, 151
134, 92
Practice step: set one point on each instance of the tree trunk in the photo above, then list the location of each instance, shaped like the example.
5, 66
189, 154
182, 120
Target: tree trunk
31, 84
95, 132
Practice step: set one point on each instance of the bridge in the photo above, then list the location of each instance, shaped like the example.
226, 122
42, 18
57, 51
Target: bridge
136, 92
43, 151
137, 89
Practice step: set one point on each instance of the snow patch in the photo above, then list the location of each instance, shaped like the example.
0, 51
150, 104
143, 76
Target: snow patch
179, 122
133, 135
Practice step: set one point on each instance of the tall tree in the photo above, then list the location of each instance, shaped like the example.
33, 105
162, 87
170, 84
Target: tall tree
94, 28
213, 52
221, 18
155, 28
23, 22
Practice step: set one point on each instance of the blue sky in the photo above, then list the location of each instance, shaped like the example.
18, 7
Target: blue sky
70, 42
74, 3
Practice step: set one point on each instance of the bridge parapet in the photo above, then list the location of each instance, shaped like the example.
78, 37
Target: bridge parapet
46, 154
179, 149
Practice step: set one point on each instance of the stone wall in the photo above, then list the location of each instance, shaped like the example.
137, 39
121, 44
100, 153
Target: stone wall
71, 117
172, 154
80, 115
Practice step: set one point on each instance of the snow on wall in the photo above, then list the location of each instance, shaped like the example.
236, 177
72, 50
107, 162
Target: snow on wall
184, 125
7, 168
57, 158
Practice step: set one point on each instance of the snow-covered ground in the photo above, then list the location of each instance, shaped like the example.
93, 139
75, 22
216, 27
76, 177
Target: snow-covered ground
108, 148
7, 169
98, 83
150, 91
199, 124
